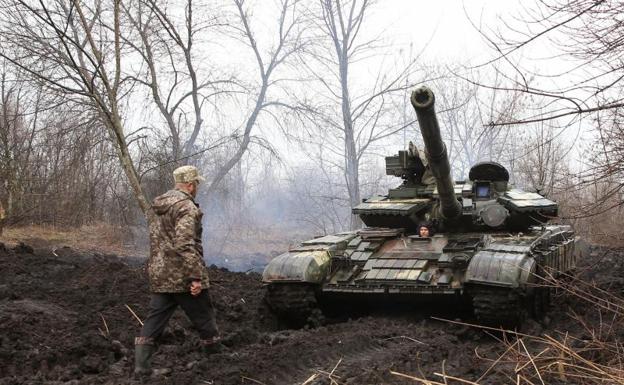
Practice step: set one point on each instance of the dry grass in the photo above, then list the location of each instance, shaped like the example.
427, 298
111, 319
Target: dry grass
327, 376
561, 358
95, 237
590, 354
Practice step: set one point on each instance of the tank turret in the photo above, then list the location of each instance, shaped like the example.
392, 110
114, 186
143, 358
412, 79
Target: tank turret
484, 202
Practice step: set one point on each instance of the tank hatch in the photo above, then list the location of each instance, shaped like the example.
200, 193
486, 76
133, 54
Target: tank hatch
491, 171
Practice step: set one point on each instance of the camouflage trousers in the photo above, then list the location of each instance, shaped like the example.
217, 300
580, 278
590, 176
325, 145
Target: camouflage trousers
199, 310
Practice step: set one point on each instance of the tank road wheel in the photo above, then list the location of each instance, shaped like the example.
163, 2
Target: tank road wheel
294, 303
494, 306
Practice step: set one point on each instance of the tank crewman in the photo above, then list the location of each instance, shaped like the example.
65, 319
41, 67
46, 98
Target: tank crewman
425, 230
176, 269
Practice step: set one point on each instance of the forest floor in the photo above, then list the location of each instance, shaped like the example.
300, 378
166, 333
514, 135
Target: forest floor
66, 318
248, 248
99, 237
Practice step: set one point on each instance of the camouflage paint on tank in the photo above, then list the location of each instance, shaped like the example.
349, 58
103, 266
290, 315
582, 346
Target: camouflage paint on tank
304, 266
308, 263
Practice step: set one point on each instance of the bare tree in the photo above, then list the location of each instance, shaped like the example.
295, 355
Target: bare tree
359, 116
586, 33
583, 80
324, 207
87, 52
168, 48
468, 116
15, 139
542, 166
56, 163
75, 48
289, 41
609, 147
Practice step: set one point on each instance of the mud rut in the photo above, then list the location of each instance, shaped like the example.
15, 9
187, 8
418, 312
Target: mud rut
63, 319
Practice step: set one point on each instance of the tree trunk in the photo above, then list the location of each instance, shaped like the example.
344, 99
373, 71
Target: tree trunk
352, 171
352, 177
117, 133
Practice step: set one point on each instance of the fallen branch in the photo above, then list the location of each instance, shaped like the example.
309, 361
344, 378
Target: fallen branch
134, 314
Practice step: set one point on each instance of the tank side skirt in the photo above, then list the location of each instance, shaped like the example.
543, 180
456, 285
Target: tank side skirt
553, 251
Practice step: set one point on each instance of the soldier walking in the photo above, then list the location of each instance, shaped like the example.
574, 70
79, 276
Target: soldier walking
177, 273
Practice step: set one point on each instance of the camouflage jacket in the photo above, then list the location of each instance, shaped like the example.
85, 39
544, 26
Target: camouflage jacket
176, 252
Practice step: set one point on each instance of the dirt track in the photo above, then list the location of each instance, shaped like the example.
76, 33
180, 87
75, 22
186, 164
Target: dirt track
63, 319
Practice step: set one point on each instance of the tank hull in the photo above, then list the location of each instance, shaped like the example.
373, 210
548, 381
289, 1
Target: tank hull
491, 271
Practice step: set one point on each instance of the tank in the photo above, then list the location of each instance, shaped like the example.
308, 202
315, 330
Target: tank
488, 247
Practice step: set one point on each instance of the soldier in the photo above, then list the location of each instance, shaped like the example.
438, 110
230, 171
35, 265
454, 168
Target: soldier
176, 269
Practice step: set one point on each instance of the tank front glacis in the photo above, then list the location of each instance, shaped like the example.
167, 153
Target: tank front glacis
487, 244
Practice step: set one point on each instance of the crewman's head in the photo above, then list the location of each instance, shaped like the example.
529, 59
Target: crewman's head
187, 178
425, 229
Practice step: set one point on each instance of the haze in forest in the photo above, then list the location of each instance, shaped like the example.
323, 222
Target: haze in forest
289, 107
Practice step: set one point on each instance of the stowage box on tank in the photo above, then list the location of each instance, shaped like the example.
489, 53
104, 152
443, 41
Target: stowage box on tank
488, 244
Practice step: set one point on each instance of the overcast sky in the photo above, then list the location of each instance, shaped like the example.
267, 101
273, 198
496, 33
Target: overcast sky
449, 28
445, 24
444, 30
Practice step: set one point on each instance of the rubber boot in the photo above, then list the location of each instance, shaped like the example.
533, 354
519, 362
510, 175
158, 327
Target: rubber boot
144, 348
142, 359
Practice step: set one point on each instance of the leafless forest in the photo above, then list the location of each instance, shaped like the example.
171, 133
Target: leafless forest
288, 108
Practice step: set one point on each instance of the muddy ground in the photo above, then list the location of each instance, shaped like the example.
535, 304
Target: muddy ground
64, 318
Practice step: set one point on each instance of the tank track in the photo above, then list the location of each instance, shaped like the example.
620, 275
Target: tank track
499, 306
295, 303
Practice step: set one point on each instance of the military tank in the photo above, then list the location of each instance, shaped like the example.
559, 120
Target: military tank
490, 246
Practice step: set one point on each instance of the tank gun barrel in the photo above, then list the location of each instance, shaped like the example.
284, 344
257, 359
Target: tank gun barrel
423, 102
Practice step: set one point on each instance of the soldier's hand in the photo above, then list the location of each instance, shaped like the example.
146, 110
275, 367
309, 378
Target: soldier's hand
196, 288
